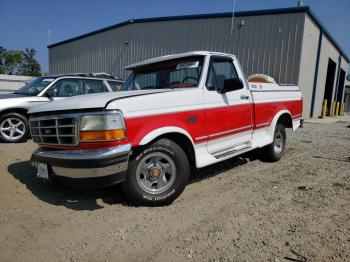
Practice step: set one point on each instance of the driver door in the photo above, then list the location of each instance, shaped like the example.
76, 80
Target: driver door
229, 116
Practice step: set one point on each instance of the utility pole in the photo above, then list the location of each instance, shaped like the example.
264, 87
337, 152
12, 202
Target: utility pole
49, 33
233, 15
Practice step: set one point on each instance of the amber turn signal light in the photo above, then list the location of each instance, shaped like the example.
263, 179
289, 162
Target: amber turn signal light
106, 135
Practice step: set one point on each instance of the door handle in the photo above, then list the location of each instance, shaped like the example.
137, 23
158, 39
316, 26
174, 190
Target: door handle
245, 97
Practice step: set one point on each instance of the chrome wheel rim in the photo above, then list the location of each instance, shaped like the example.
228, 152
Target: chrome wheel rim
12, 128
278, 142
156, 173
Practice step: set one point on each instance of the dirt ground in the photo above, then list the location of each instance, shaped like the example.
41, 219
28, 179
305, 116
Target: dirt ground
240, 210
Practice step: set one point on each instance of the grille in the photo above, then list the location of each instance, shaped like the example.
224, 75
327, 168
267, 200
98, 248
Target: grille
54, 130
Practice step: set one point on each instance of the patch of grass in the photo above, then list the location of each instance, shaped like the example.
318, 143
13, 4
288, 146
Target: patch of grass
304, 188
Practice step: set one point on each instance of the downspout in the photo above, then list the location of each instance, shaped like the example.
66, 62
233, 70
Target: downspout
337, 82
316, 74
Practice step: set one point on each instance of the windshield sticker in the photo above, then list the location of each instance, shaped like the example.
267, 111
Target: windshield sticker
48, 79
187, 65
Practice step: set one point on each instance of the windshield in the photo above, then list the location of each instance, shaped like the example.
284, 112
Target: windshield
34, 87
179, 73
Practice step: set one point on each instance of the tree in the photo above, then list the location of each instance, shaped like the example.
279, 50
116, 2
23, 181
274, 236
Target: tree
19, 62
11, 61
29, 65
2, 50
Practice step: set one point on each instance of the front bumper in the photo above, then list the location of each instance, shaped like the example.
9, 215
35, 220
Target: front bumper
85, 168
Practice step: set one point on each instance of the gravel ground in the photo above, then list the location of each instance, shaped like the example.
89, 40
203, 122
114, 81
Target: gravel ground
240, 210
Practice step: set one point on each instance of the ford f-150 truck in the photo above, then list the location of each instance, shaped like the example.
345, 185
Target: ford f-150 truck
176, 112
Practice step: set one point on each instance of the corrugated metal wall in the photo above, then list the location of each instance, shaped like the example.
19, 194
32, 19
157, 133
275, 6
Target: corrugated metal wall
308, 64
269, 44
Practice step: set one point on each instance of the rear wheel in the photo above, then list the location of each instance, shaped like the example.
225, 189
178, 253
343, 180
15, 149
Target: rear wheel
157, 175
275, 151
13, 128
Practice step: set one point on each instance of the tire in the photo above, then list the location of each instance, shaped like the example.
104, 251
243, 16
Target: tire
274, 151
14, 128
157, 175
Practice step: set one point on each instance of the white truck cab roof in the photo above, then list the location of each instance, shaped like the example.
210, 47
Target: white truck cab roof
171, 57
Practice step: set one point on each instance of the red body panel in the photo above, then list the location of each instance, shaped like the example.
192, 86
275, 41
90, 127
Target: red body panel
202, 123
138, 127
265, 112
223, 119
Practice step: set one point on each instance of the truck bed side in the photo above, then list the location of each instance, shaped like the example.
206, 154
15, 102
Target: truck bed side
270, 99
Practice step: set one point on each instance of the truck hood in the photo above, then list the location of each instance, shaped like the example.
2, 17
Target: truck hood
91, 101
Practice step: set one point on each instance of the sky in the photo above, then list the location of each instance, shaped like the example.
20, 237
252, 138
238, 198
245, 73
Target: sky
26, 23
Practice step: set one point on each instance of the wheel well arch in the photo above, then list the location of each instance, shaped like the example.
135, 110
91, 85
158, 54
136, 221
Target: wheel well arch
182, 140
284, 117
21, 111
286, 120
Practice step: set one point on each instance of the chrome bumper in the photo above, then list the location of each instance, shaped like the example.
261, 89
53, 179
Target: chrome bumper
84, 164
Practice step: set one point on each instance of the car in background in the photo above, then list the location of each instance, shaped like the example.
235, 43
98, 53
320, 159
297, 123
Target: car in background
14, 107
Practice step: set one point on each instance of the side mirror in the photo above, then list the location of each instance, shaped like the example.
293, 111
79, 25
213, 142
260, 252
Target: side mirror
51, 92
232, 84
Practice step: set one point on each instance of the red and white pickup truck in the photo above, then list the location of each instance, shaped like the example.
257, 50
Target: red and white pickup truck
176, 112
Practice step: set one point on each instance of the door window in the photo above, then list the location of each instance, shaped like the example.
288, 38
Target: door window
220, 69
66, 88
94, 86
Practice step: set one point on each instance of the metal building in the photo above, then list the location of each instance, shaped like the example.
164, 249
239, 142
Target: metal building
289, 44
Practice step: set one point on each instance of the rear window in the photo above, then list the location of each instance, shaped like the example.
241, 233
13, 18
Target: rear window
116, 86
94, 86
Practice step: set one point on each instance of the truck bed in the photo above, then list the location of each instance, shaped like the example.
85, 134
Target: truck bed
270, 98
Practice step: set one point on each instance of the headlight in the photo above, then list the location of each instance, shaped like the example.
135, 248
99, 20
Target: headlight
108, 126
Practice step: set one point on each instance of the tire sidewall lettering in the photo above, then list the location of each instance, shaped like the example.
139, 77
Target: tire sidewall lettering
152, 149
157, 198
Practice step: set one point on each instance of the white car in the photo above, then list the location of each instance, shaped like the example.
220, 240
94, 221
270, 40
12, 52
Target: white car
14, 107
191, 109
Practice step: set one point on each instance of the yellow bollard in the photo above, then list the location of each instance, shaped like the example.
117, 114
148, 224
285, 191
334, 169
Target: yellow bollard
342, 109
337, 109
324, 109
332, 109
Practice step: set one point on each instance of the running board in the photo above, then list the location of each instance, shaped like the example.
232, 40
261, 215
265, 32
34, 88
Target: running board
233, 150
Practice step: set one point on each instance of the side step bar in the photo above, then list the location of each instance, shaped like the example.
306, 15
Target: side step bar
233, 150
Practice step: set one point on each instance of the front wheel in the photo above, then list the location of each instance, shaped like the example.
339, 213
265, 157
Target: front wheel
157, 175
13, 128
275, 151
